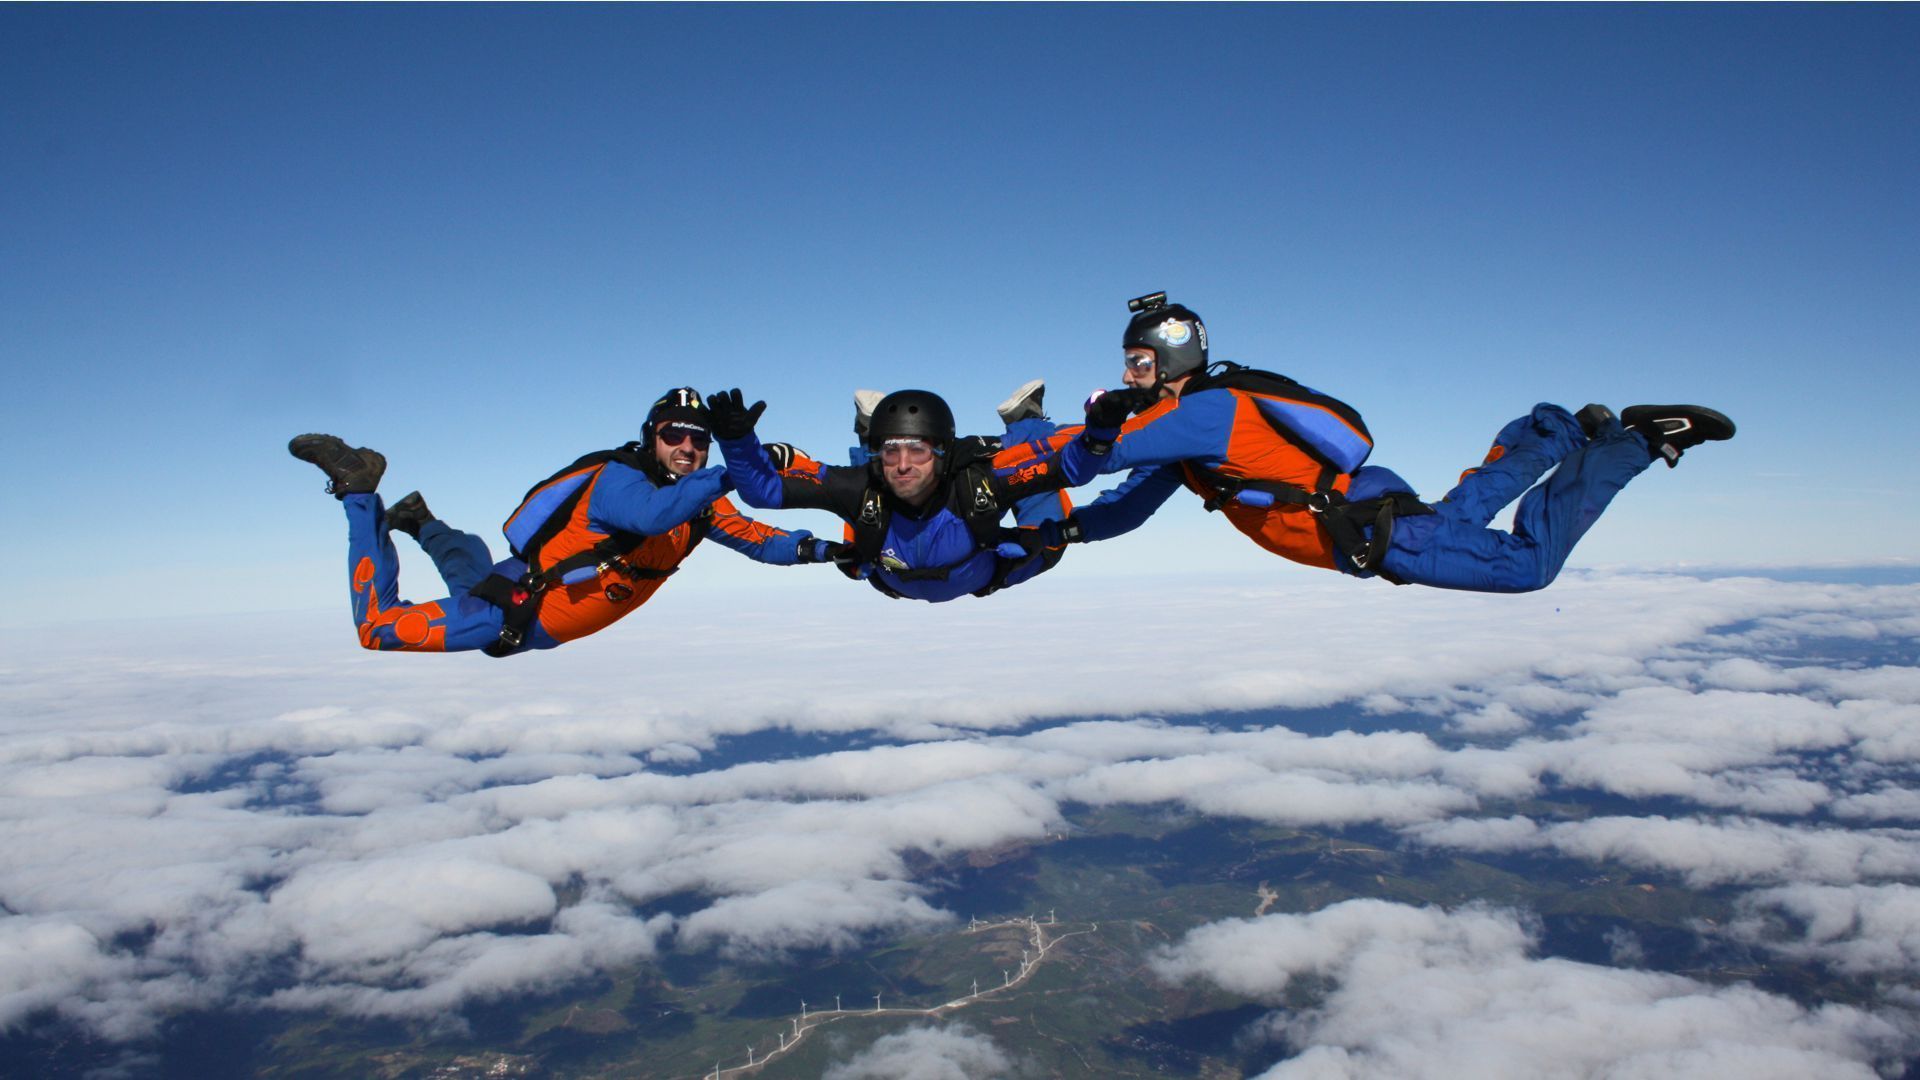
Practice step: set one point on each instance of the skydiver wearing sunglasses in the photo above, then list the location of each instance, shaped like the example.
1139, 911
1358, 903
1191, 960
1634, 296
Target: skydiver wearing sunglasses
590, 543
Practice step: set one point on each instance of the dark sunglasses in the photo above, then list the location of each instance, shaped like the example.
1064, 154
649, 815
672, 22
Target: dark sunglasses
674, 435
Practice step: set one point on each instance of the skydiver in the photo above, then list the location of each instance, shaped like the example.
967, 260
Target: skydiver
926, 510
592, 543
1282, 463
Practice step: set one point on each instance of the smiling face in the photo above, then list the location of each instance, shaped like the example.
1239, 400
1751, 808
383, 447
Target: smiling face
681, 448
911, 468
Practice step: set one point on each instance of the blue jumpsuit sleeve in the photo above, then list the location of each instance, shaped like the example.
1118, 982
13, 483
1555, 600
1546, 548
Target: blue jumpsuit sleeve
1127, 507
1200, 429
753, 476
756, 539
624, 500
1078, 464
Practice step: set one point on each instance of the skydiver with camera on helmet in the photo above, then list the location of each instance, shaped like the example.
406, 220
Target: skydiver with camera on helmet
1283, 463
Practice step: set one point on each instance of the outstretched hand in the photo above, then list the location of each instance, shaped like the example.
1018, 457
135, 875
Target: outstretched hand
1110, 408
732, 418
832, 551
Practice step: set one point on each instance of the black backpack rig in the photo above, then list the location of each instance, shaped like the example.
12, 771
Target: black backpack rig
1344, 520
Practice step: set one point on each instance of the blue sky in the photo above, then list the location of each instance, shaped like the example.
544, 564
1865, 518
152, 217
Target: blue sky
482, 239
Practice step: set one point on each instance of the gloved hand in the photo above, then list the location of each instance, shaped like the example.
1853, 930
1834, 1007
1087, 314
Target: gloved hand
732, 419
819, 551
1110, 408
1060, 533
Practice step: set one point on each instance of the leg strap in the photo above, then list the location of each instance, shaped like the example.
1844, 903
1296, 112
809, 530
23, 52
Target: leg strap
519, 605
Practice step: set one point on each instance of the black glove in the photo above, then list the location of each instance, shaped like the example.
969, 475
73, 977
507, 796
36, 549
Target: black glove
732, 419
1061, 533
832, 551
1112, 408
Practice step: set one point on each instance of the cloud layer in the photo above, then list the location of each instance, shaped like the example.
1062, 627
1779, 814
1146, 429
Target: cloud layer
1424, 993
255, 810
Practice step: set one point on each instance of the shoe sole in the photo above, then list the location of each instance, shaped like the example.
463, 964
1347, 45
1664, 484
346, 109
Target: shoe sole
1709, 424
1027, 396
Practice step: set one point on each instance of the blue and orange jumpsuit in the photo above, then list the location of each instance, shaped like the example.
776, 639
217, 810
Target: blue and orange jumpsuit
672, 518
1178, 441
929, 552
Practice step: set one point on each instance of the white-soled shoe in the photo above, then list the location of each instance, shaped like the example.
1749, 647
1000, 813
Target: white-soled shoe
863, 403
1025, 402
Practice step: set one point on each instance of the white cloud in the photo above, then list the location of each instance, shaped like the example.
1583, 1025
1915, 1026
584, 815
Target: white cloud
1425, 993
1860, 929
1703, 852
954, 1052
810, 913
368, 913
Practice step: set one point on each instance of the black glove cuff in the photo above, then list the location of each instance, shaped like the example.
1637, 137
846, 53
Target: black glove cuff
1096, 447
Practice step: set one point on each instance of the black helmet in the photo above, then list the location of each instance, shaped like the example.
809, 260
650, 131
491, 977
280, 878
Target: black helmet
678, 406
1174, 334
911, 414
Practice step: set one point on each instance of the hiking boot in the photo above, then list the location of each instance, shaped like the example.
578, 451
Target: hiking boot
863, 403
1594, 419
409, 514
349, 471
1673, 429
1025, 402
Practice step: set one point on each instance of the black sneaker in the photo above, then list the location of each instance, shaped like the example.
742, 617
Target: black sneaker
349, 471
409, 514
1674, 429
1594, 419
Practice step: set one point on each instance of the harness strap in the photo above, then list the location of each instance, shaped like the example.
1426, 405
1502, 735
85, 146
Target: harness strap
971, 497
519, 606
870, 526
1226, 487
1004, 568
1344, 521
606, 555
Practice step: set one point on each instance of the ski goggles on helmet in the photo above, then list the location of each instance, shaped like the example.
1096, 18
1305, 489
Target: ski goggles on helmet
1141, 364
675, 434
910, 451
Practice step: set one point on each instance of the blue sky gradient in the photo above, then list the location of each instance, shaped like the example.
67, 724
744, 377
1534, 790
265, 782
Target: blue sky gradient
481, 239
